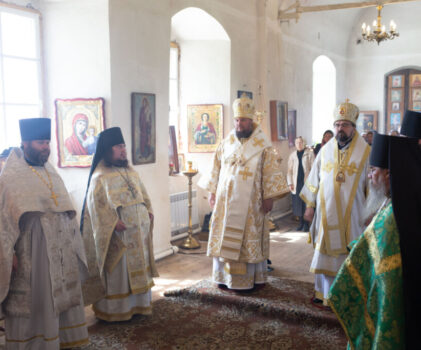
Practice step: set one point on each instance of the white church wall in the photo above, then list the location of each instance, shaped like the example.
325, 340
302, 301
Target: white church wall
300, 44
368, 62
76, 65
139, 45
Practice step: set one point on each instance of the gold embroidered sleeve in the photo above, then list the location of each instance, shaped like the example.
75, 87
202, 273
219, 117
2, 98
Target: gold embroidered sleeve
210, 182
311, 187
273, 180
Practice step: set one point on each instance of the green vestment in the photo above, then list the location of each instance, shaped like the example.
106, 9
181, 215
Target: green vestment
366, 295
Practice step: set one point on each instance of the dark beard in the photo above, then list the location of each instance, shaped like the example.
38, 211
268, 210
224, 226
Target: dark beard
109, 162
117, 163
341, 137
35, 157
121, 163
243, 134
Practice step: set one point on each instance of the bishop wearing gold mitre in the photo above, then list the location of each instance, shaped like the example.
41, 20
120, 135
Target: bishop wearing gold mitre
245, 178
335, 194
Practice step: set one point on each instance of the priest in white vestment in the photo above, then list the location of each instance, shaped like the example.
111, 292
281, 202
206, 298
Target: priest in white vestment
245, 179
337, 187
117, 223
41, 250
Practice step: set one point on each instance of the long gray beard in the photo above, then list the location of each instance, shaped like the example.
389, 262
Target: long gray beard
374, 201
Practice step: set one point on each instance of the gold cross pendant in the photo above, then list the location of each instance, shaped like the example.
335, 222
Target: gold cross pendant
54, 198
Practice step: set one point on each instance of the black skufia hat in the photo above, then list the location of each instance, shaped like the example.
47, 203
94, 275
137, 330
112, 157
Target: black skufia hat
411, 124
405, 181
35, 129
106, 139
379, 156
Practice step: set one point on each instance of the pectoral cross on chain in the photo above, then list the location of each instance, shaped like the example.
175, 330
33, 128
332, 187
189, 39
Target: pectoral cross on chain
54, 198
245, 173
132, 189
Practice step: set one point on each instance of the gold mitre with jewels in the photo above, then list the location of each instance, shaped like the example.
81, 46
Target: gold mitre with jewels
243, 107
346, 111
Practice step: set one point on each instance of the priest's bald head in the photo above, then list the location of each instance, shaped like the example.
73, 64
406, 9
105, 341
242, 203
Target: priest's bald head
36, 135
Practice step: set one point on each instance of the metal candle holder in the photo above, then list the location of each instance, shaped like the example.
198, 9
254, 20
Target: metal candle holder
190, 242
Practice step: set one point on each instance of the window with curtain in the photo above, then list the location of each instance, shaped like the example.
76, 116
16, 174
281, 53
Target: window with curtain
20, 71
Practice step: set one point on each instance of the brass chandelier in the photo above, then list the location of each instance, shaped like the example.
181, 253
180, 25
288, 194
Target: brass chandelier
379, 33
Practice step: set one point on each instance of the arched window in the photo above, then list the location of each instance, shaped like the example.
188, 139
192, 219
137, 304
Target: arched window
324, 96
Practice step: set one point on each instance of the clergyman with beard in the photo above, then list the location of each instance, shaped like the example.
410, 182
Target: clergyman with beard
245, 179
41, 250
117, 223
370, 292
336, 187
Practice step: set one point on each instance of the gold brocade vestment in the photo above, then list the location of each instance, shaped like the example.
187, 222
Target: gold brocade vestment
25, 198
111, 197
268, 182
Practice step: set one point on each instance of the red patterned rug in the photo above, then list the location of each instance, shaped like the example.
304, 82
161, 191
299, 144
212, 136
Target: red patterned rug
279, 316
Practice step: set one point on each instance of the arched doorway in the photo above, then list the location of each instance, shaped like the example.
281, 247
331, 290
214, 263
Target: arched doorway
200, 74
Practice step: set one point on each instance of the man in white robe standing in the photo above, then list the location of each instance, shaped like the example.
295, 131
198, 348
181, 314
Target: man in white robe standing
117, 224
337, 187
244, 181
41, 249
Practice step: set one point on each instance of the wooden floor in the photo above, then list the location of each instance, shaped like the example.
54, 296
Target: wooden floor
289, 252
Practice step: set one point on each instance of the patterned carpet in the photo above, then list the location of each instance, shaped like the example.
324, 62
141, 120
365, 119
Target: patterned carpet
279, 316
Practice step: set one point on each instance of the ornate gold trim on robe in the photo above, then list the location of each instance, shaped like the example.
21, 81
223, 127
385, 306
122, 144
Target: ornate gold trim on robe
335, 198
22, 192
268, 182
108, 195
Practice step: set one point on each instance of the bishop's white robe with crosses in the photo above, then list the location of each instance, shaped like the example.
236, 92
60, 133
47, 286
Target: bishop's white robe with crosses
336, 187
244, 173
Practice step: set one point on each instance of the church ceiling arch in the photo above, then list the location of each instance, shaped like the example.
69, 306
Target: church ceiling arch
193, 23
